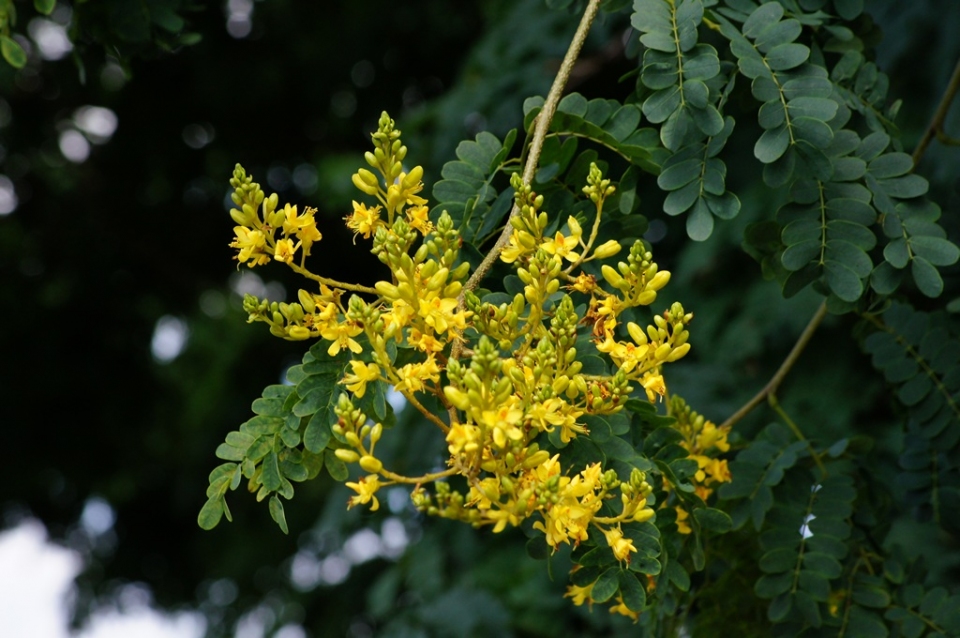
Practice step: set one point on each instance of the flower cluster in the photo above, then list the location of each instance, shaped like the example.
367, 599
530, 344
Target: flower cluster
704, 443
508, 370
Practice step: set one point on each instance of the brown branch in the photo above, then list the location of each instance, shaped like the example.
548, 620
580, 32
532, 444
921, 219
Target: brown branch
935, 129
785, 367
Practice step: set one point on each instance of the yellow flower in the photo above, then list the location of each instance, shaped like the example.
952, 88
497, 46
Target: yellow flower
682, 516
414, 376
419, 219
363, 220
654, 385
341, 335
439, 314
463, 437
309, 234
291, 221
622, 547
424, 342
584, 283
502, 423
712, 436
284, 251
250, 243
365, 489
622, 609
363, 373
514, 249
562, 246
580, 595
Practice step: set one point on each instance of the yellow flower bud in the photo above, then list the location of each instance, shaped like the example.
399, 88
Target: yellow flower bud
306, 300
679, 352
362, 185
612, 276
560, 384
636, 333
646, 298
370, 464
347, 456
659, 280
298, 333
458, 398
413, 177
607, 249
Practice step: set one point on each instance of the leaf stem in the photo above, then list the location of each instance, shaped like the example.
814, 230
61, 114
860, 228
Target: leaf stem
785, 367
935, 128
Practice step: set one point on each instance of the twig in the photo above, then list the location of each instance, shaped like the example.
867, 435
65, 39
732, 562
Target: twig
333, 283
426, 478
785, 367
539, 135
533, 155
935, 129
433, 418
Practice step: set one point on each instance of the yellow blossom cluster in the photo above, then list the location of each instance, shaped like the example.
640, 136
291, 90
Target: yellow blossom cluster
704, 442
509, 375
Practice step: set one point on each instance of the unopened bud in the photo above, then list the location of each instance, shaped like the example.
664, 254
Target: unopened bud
347, 456
607, 249
370, 464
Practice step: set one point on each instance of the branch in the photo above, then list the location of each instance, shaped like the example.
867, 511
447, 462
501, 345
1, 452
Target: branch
333, 283
777, 379
935, 129
539, 135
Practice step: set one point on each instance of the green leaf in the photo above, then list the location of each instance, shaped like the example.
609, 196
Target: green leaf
44, 6
936, 250
318, 433
677, 175
764, 16
772, 144
926, 277
606, 586
271, 472
633, 594
818, 108
905, 187
891, 165
337, 468
779, 607
773, 585
871, 597
210, 513
778, 33
13, 53
574, 104
713, 520
842, 280
787, 56
799, 255
276, 513
700, 222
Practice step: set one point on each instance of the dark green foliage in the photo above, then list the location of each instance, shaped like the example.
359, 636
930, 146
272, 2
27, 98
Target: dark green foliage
921, 360
466, 191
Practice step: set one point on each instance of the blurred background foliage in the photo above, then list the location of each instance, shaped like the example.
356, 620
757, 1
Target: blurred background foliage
117, 139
